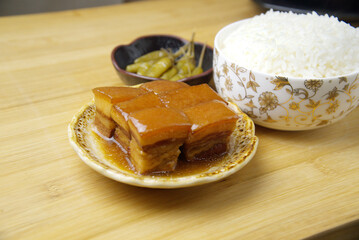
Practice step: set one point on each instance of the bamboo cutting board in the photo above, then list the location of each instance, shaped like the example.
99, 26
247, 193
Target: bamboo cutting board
297, 185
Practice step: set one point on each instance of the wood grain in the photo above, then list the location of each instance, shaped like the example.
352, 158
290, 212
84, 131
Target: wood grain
298, 184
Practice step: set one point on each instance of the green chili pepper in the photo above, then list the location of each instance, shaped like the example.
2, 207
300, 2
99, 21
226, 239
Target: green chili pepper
133, 67
161, 63
187, 67
181, 51
142, 70
169, 73
159, 67
177, 77
154, 55
198, 69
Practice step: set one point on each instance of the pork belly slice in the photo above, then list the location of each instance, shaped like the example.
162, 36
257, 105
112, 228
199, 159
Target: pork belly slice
156, 135
212, 124
123, 138
186, 97
104, 125
105, 97
121, 111
162, 86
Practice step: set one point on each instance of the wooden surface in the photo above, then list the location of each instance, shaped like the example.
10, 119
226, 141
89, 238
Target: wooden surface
298, 184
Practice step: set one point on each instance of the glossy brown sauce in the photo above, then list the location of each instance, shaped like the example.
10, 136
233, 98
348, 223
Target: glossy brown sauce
115, 156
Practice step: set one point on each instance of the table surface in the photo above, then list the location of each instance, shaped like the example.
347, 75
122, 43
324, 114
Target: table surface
297, 185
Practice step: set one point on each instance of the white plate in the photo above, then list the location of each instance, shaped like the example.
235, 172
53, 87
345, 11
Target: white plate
242, 149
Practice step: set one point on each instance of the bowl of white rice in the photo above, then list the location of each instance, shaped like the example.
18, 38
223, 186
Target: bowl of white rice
289, 71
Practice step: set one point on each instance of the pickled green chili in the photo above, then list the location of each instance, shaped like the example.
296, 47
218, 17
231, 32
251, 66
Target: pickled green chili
169, 73
167, 65
152, 56
142, 70
199, 69
159, 67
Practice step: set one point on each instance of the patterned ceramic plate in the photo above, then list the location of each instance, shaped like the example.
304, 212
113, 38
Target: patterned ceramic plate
243, 146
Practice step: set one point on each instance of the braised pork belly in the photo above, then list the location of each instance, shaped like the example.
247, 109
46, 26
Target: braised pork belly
158, 120
156, 135
212, 124
162, 86
187, 97
122, 110
105, 98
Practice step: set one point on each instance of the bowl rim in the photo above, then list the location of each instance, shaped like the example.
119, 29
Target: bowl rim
119, 69
297, 79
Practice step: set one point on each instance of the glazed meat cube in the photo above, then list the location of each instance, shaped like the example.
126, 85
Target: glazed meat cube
121, 111
212, 124
156, 135
105, 97
153, 125
162, 86
103, 125
187, 97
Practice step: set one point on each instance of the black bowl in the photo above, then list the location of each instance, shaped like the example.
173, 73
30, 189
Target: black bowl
124, 55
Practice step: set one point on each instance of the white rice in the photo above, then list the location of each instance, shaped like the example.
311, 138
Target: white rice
295, 45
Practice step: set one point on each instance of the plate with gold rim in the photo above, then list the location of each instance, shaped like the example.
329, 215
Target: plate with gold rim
242, 148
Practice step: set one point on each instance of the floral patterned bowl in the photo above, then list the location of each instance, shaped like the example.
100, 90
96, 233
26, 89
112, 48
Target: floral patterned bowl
281, 102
